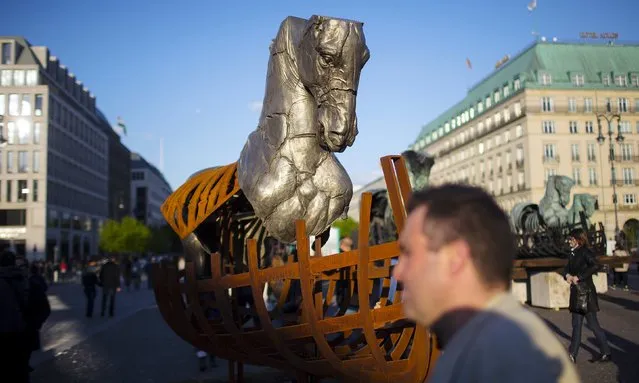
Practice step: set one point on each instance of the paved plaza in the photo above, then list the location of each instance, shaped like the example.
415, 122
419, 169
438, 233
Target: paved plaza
137, 345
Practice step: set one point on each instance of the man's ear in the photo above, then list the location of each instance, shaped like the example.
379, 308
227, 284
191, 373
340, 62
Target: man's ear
457, 256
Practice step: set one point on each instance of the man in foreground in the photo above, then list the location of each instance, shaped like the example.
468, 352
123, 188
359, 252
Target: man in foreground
455, 267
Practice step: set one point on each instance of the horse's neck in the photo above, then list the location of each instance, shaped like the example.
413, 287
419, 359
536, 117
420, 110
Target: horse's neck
287, 99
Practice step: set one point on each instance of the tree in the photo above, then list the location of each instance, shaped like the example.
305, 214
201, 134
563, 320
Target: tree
126, 236
163, 240
345, 226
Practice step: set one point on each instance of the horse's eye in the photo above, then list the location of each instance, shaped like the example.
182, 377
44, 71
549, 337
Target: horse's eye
326, 59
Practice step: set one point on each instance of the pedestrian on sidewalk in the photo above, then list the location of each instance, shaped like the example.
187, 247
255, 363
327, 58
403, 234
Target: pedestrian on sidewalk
455, 265
620, 273
110, 282
89, 283
582, 264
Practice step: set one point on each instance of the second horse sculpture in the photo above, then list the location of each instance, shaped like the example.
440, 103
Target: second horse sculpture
287, 169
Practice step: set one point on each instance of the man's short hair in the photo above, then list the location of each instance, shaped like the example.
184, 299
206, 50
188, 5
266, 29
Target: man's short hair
455, 212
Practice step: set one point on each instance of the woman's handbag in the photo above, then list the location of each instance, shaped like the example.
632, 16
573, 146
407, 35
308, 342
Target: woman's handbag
579, 298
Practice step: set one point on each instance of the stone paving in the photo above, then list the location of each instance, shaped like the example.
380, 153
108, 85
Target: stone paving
138, 346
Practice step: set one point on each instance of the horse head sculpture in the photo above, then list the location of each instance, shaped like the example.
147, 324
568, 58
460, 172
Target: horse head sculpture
287, 169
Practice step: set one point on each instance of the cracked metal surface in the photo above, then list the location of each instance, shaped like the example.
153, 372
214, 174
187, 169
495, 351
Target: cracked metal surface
287, 168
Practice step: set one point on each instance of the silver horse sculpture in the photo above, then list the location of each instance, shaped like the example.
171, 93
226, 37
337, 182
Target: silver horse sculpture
287, 169
551, 211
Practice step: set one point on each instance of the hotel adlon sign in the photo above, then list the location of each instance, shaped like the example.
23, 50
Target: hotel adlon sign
12, 232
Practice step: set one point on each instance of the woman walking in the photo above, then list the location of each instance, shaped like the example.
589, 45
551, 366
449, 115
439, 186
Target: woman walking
583, 295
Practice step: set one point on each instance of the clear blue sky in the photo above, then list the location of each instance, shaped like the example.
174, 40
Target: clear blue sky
192, 71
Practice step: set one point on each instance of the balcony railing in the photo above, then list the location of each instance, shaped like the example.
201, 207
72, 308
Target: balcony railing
519, 164
564, 107
575, 158
623, 158
553, 158
625, 182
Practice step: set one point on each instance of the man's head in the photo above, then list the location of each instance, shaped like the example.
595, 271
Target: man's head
457, 246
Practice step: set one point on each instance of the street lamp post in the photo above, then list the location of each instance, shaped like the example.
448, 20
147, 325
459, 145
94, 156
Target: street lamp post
610, 118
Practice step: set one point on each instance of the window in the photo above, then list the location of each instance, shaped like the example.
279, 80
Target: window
577, 79
591, 152
23, 191
624, 127
519, 131
14, 105
589, 127
622, 104
507, 136
38, 105
36, 132
34, 192
605, 79
472, 112
480, 107
506, 115
546, 104
18, 77
545, 79
572, 105
592, 176
626, 152
9, 190
549, 173
23, 165
517, 84
32, 77
36, 161
629, 199
12, 132
576, 175
573, 127
574, 152
588, 105
608, 105
548, 127
628, 176
6, 78
6, 54
10, 162
506, 90
26, 105
621, 80
24, 126
517, 109
496, 96
488, 102
634, 80
549, 151
497, 118
519, 154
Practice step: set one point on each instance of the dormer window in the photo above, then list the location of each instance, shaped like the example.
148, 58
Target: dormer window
634, 80
506, 90
605, 79
6, 54
488, 102
517, 84
621, 80
545, 79
577, 79
497, 96
480, 107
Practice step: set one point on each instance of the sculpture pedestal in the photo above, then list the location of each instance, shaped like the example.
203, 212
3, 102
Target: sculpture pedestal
549, 290
519, 289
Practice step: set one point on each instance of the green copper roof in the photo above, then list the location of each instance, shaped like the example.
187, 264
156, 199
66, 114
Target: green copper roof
559, 60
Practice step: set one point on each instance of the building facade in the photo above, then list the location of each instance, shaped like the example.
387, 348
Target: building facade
119, 202
149, 190
54, 156
536, 116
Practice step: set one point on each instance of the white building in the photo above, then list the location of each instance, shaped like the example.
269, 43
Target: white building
149, 190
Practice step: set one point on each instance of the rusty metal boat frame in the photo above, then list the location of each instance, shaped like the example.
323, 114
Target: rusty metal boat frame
373, 345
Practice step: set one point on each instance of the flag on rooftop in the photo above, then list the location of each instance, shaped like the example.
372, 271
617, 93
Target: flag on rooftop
532, 5
121, 125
